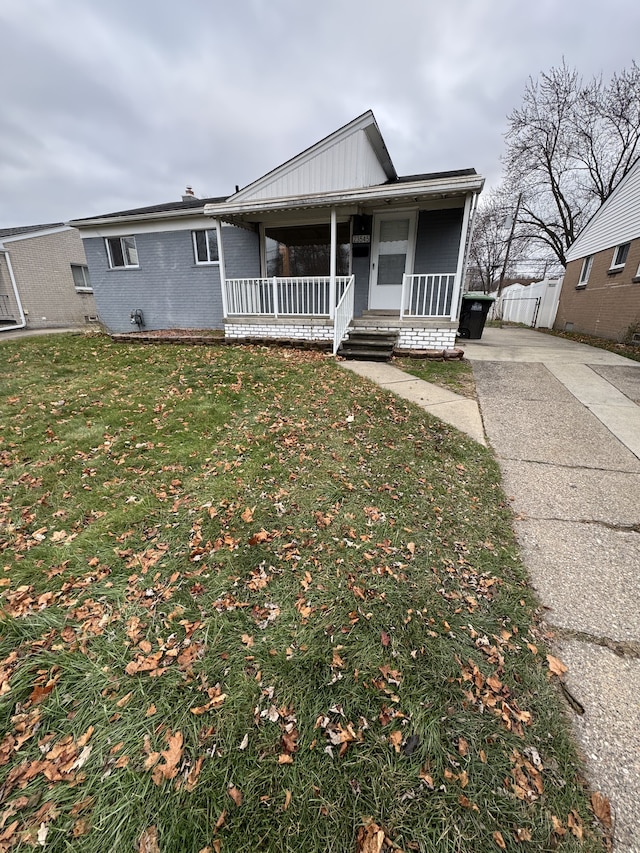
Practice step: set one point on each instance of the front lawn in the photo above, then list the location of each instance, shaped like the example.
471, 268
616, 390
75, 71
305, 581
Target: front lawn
254, 603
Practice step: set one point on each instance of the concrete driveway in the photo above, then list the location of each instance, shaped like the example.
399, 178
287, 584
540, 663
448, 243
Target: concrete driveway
564, 421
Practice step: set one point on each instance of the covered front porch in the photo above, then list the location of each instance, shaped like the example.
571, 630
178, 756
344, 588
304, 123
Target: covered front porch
390, 258
322, 308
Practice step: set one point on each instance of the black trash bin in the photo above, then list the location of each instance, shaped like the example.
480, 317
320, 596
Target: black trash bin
473, 313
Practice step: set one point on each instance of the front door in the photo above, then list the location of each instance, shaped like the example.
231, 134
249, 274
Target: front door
391, 258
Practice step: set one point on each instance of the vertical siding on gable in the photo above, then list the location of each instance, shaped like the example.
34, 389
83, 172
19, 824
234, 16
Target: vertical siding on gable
438, 240
350, 163
170, 289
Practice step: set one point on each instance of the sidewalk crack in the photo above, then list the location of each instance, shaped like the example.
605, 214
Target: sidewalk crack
622, 648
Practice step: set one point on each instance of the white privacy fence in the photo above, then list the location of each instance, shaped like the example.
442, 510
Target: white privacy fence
309, 296
532, 305
427, 295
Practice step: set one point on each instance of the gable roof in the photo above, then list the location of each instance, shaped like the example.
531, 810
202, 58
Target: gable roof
353, 157
616, 221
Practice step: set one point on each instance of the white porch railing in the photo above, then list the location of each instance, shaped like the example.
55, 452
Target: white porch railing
278, 296
344, 314
427, 295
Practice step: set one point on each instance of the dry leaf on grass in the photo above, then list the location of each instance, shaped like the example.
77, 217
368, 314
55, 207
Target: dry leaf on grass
370, 839
235, 794
497, 837
149, 841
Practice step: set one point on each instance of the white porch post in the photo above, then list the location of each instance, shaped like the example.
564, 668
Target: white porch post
332, 266
457, 284
221, 267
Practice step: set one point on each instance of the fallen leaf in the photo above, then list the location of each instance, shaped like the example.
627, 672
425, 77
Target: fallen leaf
556, 666
395, 738
523, 835
463, 746
497, 837
285, 758
244, 743
385, 639
171, 756
370, 839
149, 841
601, 808
287, 800
247, 515
235, 794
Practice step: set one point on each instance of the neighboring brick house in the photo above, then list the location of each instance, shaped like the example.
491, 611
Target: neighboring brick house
330, 241
44, 278
601, 291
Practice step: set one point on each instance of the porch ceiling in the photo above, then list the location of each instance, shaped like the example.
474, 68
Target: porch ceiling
392, 195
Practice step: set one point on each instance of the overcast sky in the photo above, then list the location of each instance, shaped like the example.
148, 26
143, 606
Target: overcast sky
111, 104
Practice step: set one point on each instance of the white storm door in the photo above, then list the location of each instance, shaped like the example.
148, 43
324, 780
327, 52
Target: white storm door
391, 258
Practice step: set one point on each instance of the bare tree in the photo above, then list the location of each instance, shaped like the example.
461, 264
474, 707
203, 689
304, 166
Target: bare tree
490, 242
568, 146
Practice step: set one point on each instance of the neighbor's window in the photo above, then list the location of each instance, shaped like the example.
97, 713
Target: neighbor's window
205, 246
584, 272
122, 252
620, 255
80, 274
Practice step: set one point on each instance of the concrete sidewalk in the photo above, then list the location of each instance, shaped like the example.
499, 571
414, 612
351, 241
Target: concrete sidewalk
461, 412
564, 421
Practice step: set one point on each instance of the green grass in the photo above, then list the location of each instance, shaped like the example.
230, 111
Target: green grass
455, 375
628, 350
251, 602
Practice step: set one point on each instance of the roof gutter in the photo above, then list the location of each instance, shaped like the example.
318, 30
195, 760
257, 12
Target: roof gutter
140, 217
23, 321
380, 193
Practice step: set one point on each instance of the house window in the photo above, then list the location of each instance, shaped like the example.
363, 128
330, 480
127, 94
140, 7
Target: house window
305, 250
205, 246
122, 252
620, 256
584, 272
80, 274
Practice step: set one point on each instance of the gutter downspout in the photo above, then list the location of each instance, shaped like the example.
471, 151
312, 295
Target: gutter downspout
23, 321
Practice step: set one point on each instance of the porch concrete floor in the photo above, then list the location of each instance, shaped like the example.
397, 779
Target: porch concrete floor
461, 412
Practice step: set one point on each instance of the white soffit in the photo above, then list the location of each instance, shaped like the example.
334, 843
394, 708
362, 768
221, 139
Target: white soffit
616, 221
353, 157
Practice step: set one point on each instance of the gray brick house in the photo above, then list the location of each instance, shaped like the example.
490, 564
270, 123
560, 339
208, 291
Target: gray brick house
44, 279
330, 240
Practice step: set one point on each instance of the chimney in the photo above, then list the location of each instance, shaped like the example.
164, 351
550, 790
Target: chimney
189, 194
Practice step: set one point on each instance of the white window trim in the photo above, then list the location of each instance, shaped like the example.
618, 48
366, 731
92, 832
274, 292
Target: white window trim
614, 265
585, 272
85, 274
198, 262
125, 265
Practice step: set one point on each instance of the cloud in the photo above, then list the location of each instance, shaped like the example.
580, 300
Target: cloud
112, 105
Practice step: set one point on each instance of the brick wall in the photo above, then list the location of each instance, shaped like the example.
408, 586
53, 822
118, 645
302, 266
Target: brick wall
42, 270
171, 290
609, 304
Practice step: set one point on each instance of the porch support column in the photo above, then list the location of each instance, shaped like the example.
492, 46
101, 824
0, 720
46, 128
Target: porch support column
462, 253
332, 266
221, 267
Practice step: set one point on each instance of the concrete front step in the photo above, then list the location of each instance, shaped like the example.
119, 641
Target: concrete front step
368, 344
